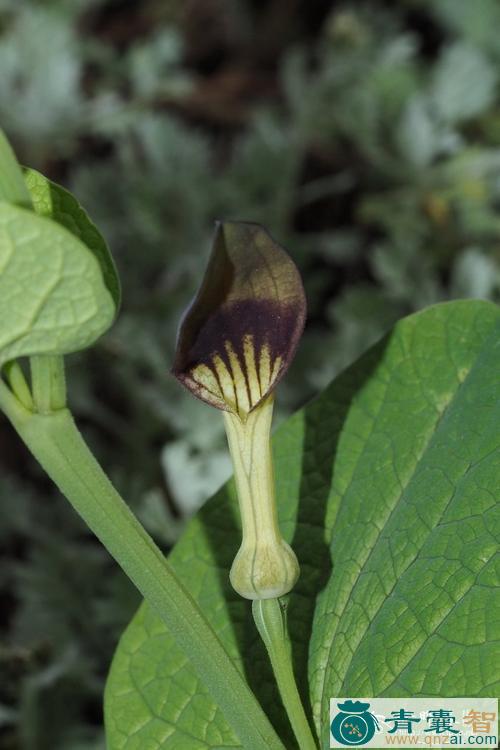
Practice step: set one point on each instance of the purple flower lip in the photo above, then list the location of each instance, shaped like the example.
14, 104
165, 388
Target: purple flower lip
240, 333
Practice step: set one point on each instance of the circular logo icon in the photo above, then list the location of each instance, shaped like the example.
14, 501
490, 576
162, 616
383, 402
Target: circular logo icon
354, 724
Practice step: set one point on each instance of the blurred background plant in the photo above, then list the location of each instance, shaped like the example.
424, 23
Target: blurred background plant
365, 135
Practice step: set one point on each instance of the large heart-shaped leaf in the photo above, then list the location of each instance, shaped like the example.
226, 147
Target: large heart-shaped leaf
53, 299
388, 488
57, 203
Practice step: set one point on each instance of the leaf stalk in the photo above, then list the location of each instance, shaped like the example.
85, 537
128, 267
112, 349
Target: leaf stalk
270, 619
56, 443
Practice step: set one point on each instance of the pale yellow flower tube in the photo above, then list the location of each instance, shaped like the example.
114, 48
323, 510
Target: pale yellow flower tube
265, 566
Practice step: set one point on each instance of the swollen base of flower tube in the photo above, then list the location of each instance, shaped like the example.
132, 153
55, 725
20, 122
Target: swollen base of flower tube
265, 571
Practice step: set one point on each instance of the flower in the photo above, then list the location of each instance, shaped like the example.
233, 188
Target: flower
235, 343
241, 331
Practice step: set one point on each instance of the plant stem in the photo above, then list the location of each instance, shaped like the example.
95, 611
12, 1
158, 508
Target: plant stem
271, 624
48, 383
18, 384
57, 444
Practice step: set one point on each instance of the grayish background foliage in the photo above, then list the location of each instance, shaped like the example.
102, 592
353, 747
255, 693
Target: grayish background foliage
366, 136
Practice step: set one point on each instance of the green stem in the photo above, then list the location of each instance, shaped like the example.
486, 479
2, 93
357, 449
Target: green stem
48, 383
57, 444
18, 384
271, 624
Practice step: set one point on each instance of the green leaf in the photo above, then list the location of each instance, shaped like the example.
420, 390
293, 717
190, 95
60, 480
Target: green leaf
54, 202
387, 487
52, 296
417, 134
12, 187
463, 84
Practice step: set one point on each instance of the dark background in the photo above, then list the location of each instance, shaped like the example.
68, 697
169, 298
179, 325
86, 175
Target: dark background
364, 135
